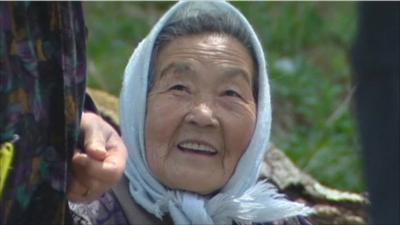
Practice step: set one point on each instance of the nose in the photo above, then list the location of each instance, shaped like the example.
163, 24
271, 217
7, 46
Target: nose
202, 115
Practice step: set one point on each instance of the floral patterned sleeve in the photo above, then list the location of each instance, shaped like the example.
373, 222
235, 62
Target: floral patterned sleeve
42, 86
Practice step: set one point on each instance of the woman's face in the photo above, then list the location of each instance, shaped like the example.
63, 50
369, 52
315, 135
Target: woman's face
201, 112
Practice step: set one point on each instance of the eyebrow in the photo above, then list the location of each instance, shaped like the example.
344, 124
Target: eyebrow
184, 67
237, 72
176, 67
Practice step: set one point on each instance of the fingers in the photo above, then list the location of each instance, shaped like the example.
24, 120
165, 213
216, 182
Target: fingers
95, 135
103, 143
108, 170
85, 188
104, 171
101, 165
116, 153
83, 193
77, 192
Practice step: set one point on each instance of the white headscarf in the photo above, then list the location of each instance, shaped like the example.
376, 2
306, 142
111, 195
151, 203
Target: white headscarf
241, 199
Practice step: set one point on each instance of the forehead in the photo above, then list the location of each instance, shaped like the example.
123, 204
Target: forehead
211, 49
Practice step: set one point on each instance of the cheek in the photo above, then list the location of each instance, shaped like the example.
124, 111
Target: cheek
162, 121
156, 137
158, 128
238, 133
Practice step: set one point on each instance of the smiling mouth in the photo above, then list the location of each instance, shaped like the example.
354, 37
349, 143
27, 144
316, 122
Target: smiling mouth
198, 148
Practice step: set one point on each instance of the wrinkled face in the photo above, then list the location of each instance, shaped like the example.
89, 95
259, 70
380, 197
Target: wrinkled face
201, 112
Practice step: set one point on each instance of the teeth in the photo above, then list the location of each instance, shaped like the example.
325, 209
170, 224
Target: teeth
198, 147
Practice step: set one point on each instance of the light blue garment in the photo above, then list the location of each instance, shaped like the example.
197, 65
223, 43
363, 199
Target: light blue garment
241, 199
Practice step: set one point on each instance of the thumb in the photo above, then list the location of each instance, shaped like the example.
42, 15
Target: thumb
95, 143
96, 150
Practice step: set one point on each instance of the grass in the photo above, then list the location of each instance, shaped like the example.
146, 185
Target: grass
307, 46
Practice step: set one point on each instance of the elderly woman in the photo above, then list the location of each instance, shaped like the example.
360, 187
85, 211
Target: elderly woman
195, 116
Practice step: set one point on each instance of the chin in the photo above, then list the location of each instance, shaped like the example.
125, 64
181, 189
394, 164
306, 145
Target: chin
202, 189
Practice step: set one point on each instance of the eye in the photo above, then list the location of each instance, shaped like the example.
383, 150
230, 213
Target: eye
232, 93
178, 87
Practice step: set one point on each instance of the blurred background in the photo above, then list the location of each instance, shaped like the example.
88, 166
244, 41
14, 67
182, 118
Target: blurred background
307, 47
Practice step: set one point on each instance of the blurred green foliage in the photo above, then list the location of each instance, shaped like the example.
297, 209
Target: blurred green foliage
307, 46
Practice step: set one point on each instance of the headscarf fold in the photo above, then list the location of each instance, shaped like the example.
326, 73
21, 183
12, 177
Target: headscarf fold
242, 199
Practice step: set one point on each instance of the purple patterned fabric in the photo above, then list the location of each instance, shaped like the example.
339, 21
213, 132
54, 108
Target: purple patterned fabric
42, 84
108, 211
